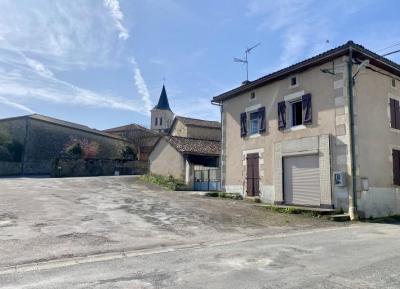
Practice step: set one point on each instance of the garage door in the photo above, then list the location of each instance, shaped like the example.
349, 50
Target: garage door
301, 180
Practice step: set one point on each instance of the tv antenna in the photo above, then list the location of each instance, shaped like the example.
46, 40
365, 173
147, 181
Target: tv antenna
245, 60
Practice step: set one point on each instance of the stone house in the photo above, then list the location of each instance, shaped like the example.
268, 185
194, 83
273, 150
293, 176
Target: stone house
191, 147
143, 138
44, 138
323, 133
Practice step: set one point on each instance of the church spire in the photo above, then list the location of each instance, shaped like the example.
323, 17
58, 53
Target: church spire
163, 101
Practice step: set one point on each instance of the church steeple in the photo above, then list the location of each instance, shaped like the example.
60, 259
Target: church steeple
163, 100
162, 115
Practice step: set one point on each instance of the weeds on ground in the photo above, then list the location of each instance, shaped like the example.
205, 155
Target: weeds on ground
167, 182
393, 219
293, 211
225, 195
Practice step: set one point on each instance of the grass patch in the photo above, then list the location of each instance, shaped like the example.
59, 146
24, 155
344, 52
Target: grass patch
224, 195
293, 211
167, 182
395, 219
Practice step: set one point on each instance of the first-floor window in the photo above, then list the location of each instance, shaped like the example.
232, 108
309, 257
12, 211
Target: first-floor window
160, 120
254, 122
156, 121
297, 113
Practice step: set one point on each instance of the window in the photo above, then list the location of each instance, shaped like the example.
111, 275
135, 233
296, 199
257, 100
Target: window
160, 120
396, 167
252, 95
293, 81
394, 113
253, 122
156, 121
393, 82
297, 113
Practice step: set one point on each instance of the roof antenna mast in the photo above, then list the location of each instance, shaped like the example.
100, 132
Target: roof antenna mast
245, 60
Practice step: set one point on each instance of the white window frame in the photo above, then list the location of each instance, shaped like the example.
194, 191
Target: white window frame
250, 122
248, 110
395, 83
290, 81
289, 100
251, 96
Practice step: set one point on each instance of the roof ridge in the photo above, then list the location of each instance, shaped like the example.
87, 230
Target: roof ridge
191, 138
308, 62
180, 116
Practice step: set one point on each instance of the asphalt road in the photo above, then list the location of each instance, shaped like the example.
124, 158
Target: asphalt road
359, 256
117, 232
48, 219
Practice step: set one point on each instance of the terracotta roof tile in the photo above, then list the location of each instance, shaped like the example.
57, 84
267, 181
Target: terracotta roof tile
195, 146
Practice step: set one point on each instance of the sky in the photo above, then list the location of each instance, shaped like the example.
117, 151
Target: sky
102, 63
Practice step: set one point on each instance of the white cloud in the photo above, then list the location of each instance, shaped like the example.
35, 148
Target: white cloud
13, 104
39, 67
25, 79
116, 14
141, 86
302, 25
38, 41
64, 34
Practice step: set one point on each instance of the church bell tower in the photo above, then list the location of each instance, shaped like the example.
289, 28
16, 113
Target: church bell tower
162, 115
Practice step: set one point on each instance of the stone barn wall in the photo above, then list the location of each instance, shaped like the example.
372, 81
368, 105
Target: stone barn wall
44, 141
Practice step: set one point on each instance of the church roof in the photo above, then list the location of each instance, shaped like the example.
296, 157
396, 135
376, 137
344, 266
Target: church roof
163, 101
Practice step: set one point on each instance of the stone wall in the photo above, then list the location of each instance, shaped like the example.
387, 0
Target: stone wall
44, 141
69, 167
10, 168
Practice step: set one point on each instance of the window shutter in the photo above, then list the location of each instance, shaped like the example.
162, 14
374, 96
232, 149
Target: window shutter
396, 167
394, 113
397, 113
262, 120
281, 115
307, 110
243, 124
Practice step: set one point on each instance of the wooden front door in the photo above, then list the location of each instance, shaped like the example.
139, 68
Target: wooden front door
253, 175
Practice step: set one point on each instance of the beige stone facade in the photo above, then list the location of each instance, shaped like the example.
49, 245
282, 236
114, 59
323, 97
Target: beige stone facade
328, 136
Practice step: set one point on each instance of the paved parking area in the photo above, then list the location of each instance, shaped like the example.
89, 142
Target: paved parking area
45, 219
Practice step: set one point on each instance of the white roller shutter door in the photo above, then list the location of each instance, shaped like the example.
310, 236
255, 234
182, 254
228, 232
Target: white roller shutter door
301, 180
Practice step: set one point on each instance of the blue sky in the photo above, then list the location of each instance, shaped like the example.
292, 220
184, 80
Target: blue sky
102, 63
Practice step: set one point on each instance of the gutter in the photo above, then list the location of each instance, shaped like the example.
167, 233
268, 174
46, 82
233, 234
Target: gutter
353, 195
222, 142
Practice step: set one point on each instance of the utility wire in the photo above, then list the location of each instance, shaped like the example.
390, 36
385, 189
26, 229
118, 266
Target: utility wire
390, 53
392, 45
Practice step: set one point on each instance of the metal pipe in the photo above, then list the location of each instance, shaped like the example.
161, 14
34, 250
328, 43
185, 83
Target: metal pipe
221, 143
353, 194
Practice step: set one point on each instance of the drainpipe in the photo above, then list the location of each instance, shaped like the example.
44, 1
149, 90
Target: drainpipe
353, 194
222, 143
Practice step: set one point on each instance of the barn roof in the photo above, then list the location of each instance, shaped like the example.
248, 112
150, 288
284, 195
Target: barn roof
198, 122
195, 146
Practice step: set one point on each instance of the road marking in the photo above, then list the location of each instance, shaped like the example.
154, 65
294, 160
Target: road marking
101, 257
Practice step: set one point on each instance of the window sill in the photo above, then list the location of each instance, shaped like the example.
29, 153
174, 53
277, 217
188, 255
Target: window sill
296, 128
395, 130
254, 135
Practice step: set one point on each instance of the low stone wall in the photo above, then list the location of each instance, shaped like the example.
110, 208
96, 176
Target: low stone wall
10, 168
69, 167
